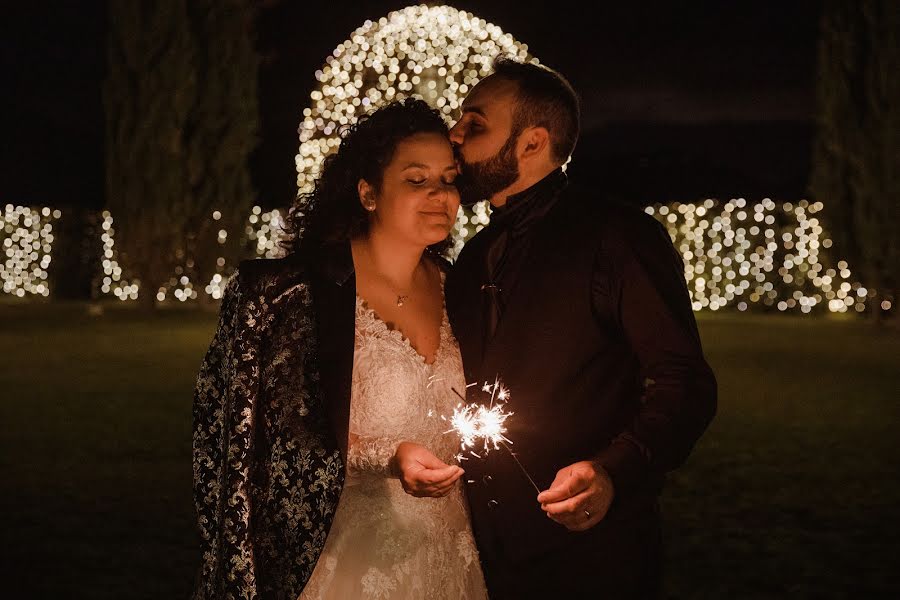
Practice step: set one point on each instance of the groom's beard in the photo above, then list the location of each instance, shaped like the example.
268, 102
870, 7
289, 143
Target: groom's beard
480, 180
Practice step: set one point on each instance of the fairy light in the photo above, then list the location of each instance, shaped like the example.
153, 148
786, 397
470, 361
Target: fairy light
216, 287
436, 53
114, 283
736, 254
264, 230
26, 243
765, 254
468, 223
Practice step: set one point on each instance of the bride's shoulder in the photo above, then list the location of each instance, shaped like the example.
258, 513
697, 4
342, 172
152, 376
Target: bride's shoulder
267, 278
272, 268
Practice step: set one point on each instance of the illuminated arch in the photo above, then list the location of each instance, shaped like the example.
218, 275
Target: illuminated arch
736, 253
436, 53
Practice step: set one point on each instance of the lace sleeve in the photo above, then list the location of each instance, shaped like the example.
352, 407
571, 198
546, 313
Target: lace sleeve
372, 455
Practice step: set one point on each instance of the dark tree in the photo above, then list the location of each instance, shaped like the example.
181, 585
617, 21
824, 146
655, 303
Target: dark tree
182, 120
856, 153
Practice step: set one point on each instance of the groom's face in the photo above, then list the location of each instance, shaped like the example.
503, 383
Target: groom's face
486, 141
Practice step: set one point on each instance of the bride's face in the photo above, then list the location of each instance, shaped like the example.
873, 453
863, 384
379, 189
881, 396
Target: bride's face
417, 201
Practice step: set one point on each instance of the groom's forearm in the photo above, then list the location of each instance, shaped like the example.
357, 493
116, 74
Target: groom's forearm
659, 325
674, 413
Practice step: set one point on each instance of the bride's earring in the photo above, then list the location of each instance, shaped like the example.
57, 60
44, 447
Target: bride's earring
366, 195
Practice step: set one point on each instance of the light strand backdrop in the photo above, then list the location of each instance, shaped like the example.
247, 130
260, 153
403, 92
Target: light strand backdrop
737, 254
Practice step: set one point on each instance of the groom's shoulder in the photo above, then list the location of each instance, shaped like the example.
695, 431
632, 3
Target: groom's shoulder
588, 208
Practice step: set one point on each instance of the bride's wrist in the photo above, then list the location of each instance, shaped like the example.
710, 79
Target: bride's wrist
394, 466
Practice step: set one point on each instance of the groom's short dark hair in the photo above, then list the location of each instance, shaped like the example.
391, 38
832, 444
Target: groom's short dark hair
545, 99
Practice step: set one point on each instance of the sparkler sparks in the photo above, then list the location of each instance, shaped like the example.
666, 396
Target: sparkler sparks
476, 424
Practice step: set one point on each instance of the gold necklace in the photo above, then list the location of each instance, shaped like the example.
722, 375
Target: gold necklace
401, 298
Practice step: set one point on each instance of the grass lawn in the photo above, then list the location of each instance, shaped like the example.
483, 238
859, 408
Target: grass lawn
794, 491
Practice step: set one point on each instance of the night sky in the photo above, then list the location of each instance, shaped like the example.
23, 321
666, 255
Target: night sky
681, 100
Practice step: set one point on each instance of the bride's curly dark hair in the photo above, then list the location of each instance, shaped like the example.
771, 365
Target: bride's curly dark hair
332, 212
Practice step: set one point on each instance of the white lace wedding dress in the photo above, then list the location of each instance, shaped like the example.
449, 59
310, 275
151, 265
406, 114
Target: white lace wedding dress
384, 543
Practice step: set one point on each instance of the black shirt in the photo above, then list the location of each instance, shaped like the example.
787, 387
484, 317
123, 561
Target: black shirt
509, 231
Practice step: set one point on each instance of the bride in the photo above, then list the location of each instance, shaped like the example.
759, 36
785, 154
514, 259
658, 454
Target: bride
321, 465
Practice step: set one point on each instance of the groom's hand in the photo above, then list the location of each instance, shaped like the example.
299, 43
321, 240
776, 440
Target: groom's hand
421, 473
579, 497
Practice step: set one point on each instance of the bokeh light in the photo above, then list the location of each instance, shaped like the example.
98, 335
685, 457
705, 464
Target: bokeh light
26, 242
740, 255
737, 255
436, 53
765, 254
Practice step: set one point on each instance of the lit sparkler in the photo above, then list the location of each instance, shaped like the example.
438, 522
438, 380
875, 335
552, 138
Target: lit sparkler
486, 426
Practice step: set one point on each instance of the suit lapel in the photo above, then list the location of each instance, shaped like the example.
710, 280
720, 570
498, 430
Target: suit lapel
334, 297
518, 298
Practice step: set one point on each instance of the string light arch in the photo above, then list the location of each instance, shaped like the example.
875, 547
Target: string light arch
737, 254
436, 53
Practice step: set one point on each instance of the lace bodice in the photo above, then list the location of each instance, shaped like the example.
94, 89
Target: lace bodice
385, 543
396, 396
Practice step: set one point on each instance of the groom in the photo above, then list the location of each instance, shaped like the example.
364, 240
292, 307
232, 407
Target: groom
580, 307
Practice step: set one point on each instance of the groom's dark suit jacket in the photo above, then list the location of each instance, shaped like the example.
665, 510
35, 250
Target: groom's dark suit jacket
598, 345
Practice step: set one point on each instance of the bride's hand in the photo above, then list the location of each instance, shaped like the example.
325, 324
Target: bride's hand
421, 473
